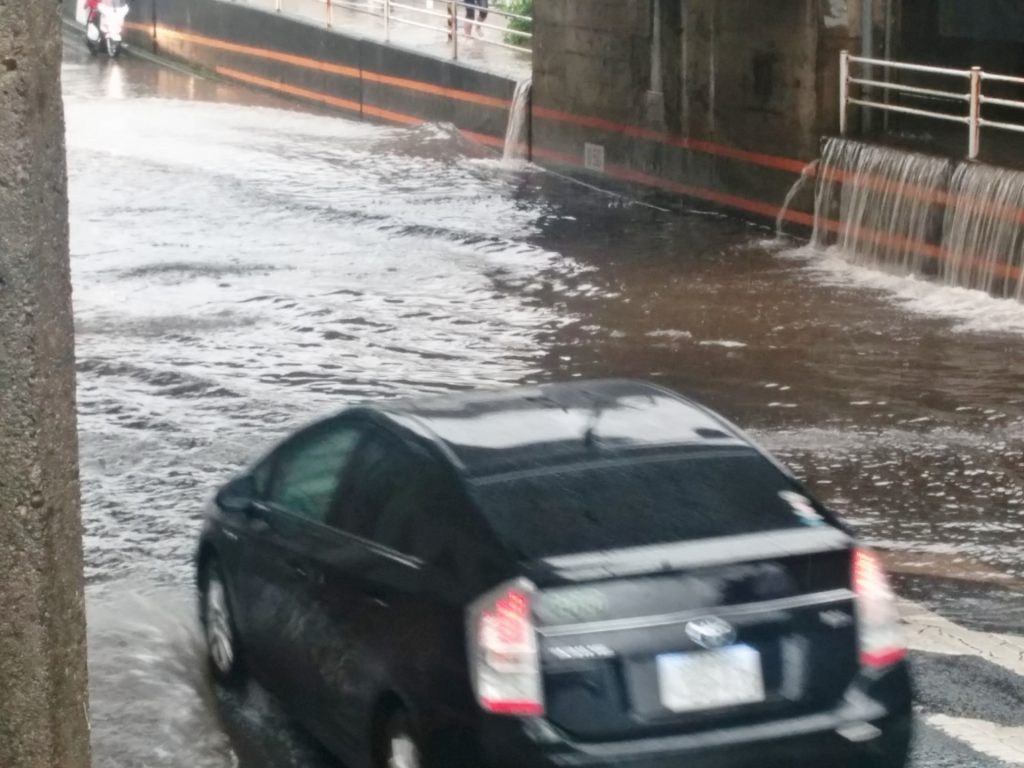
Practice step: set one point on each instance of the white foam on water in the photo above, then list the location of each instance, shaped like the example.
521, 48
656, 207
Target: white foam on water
971, 310
151, 702
725, 343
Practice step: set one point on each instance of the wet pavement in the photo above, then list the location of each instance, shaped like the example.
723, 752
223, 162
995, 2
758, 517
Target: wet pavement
242, 266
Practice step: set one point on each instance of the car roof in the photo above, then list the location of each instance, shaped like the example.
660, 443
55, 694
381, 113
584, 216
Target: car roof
486, 433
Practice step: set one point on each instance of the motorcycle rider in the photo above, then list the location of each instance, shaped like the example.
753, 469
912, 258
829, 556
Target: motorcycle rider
92, 8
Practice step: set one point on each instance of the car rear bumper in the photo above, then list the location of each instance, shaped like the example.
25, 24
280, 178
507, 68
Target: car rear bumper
866, 731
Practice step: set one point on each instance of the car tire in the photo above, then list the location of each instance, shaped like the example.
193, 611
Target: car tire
399, 747
223, 652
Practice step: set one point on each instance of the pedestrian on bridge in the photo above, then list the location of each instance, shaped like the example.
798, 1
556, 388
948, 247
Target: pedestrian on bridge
476, 10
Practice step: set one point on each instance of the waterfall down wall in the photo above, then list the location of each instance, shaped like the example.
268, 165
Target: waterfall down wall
517, 140
912, 214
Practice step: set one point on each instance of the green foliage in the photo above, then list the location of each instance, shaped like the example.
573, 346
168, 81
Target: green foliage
523, 8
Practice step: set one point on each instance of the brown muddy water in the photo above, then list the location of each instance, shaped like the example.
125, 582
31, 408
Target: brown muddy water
242, 266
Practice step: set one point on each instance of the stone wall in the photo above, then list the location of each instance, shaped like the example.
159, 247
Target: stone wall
290, 56
43, 720
729, 97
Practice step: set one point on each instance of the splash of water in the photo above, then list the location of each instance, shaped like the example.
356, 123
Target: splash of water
807, 173
517, 148
915, 215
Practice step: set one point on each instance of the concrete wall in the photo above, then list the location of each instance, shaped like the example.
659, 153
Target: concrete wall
724, 101
43, 721
357, 75
733, 102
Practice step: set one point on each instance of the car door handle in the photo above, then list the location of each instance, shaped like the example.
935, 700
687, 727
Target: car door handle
258, 523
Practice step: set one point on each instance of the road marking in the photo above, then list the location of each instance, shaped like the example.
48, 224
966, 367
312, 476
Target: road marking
1000, 742
930, 633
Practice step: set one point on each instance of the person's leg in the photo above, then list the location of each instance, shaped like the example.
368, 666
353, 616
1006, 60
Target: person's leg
470, 17
481, 14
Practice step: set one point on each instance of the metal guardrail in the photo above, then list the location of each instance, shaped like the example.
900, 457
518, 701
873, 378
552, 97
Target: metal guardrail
974, 97
428, 16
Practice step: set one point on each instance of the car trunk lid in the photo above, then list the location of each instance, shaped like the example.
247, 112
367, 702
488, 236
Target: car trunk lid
677, 637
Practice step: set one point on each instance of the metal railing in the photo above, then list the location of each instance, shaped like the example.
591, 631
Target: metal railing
441, 16
973, 98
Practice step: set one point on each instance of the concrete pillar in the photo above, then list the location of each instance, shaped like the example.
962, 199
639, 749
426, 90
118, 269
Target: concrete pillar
43, 719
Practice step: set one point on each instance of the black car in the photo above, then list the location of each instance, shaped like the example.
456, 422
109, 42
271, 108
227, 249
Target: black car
587, 574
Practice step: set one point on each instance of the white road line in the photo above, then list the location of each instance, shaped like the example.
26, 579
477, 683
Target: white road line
928, 632
1000, 742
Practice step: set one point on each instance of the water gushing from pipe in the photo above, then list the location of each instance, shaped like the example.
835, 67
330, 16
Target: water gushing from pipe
808, 172
517, 148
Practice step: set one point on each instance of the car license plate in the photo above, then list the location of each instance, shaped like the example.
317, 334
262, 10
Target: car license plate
728, 677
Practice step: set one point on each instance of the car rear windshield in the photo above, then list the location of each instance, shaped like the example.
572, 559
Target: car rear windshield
630, 503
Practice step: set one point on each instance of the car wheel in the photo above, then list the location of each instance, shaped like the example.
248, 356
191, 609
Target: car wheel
400, 749
221, 637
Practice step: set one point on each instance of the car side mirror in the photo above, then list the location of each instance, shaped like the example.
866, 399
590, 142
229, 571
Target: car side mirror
238, 495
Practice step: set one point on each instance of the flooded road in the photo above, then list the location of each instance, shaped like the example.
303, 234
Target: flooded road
242, 266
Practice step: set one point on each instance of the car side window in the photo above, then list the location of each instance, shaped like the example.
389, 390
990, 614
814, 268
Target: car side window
308, 469
261, 475
396, 495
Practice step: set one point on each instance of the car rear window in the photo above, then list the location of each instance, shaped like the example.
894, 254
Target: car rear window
630, 503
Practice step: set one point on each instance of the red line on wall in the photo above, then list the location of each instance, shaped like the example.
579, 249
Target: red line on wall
732, 201
862, 234
696, 145
735, 202
323, 98
334, 69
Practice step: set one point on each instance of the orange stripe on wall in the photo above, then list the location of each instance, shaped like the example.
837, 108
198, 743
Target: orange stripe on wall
334, 69
696, 145
260, 53
924, 194
862, 234
731, 201
735, 202
701, 193
323, 98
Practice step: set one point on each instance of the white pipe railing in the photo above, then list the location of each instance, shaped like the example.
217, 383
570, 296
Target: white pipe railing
447, 21
974, 96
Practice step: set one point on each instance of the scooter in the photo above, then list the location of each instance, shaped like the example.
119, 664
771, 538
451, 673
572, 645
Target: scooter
104, 29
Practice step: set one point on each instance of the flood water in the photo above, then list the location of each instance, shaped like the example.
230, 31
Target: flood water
242, 266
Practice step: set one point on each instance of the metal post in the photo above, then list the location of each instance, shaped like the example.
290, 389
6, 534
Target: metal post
387, 20
330, 14
844, 92
974, 141
453, 14
867, 50
888, 57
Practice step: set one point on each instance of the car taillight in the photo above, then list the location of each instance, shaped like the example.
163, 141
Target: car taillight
503, 657
881, 640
